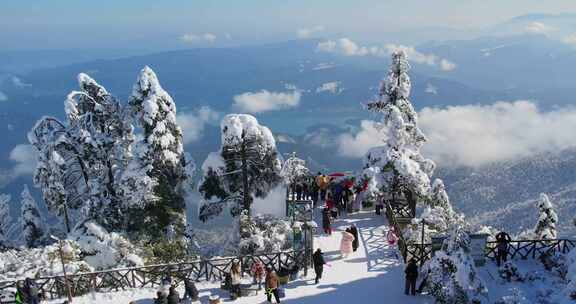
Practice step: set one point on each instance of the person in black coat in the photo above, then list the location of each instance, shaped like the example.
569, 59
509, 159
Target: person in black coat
354, 232
411, 273
173, 296
318, 260
190, 290
326, 221
502, 242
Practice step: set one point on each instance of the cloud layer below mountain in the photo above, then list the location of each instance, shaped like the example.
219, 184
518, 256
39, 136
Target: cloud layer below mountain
475, 135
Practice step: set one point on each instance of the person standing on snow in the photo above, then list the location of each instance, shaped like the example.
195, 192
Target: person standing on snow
326, 221
236, 279
411, 273
173, 296
257, 270
502, 242
272, 285
161, 298
354, 232
346, 244
190, 290
319, 262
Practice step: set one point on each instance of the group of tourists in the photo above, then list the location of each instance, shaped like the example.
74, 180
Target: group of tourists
260, 275
169, 295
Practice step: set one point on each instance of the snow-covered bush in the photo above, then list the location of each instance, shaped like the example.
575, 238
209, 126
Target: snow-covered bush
103, 250
45, 261
510, 272
452, 276
264, 234
31, 221
294, 170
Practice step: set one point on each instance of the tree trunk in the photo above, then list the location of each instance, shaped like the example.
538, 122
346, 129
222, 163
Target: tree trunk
66, 218
246, 199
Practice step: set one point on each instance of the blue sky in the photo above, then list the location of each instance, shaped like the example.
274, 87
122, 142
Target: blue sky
121, 23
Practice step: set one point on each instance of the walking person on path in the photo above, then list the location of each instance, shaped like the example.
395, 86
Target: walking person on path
272, 285
502, 242
326, 221
346, 244
411, 272
319, 262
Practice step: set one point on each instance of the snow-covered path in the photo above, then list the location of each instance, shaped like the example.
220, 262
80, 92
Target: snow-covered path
373, 274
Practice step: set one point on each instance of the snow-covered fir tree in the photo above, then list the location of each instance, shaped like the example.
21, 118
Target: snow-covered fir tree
159, 160
80, 160
92, 168
5, 220
294, 170
31, 220
547, 219
398, 164
246, 166
451, 275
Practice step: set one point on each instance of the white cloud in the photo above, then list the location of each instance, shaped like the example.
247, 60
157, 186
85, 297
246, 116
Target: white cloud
358, 144
332, 87
324, 66
206, 37
193, 124
347, 47
263, 101
25, 157
446, 65
474, 135
305, 33
430, 89
3, 97
17, 82
539, 28
570, 39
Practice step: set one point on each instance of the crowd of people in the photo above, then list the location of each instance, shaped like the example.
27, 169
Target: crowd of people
169, 295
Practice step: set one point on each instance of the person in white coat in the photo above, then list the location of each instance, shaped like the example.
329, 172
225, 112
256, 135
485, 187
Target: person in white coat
346, 244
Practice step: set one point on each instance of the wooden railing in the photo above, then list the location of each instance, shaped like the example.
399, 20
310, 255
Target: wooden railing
522, 249
525, 249
151, 276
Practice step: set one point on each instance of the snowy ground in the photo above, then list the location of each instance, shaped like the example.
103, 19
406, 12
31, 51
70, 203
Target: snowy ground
372, 274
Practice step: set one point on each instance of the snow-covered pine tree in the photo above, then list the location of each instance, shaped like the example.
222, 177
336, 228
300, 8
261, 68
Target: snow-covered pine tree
246, 166
160, 158
546, 226
60, 171
439, 214
452, 276
5, 220
294, 169
398, 164
31, 221
80, 161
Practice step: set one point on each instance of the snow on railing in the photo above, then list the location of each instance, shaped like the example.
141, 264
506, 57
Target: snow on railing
151, 276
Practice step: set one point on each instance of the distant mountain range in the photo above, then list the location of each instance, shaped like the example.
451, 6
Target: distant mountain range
504, 194
488, 69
